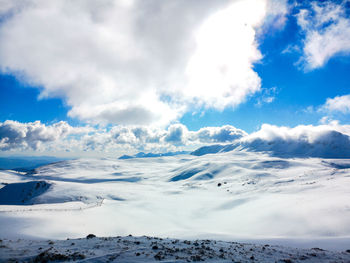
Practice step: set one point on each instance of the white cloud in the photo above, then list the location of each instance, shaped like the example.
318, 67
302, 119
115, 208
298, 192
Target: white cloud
326, 141
135, 62
327, 32
276, 17
267, 96
331, 140
33, 135
220, 71
291, 48
7, 8
222, 134
337, 104
145, 138
61, 137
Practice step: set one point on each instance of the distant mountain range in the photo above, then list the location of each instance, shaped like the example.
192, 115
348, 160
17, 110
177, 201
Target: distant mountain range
151, 155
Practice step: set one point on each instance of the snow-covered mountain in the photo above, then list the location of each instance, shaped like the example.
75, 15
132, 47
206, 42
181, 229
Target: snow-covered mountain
151, 155
237, 195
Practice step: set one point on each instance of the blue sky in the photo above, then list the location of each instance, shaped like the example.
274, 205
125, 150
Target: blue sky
291, 73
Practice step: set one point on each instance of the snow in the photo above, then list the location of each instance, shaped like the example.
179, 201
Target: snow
152, 155
234, 196
152, 249
22, 193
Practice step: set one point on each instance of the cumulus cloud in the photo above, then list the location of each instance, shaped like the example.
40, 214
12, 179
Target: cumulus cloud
337, 104
135, 62
327, 32
222, 134
220, 71
329, 141
176, 134
36, 136
32, 135
326, 141
145, 138
302, 141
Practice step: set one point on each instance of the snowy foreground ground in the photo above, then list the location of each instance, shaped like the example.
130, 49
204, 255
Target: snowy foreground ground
150, 249
235, 196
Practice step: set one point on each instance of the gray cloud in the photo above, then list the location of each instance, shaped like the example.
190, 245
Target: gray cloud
176, 134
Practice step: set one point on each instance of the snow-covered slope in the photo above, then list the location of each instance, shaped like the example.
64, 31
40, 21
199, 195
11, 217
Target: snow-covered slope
238, 195
22, 193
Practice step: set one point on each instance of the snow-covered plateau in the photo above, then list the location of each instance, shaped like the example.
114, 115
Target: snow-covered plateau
235, 196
